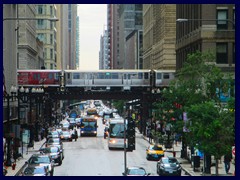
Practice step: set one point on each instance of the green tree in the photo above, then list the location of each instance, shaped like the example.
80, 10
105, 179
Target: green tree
195, 88
212, 128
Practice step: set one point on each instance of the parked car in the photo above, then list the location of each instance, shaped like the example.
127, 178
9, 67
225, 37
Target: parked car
135, 171
54, 152
56, 142
35, 170
154, 152
169, 166
42, 160
66, 136
53, 134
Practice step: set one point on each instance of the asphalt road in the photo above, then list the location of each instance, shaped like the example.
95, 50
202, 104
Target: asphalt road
90, 156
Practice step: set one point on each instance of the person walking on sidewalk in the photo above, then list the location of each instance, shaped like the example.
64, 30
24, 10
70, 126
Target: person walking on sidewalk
227, 160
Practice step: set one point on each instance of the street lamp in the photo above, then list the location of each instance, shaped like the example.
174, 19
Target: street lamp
187, 20
8, 97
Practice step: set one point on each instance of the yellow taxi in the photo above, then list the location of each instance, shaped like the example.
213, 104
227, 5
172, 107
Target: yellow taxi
154, 152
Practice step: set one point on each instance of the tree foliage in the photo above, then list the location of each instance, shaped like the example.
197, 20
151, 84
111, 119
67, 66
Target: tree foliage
195, 88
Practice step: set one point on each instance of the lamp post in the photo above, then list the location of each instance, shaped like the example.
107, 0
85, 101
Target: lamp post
8, 97
25, 96
187, 20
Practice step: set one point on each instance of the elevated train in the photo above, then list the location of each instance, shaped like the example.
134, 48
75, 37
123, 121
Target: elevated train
97, 80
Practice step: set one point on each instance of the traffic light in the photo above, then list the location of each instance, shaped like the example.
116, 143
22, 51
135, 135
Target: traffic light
131, 134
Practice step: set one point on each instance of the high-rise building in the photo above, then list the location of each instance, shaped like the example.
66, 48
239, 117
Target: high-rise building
62, 36
77, 43
113, 36
207, 27
46, 32
103, 53
72, 18
159, 36
130, 29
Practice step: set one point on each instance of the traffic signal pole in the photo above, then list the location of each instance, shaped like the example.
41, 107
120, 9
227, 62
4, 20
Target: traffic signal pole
125, 148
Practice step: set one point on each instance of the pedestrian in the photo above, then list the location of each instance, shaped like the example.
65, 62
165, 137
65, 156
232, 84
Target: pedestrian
227, 160
75, 134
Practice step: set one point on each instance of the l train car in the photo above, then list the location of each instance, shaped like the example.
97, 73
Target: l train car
108, 79
97, 80
39, 77
162, 78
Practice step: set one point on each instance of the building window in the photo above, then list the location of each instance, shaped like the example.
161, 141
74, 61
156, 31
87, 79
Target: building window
40, 9
51, 39
51, 53
222, 16
51, 10
222, 54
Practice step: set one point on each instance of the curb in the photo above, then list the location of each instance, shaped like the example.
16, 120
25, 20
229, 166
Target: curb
20, 170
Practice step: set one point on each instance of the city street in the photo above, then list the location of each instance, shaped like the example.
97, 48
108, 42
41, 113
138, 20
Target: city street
90, 156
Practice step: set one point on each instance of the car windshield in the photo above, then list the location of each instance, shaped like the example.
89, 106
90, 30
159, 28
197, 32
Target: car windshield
136, 172
50, 150
53, 133
169, 160
66, 133
38, 160
116, 130
156, 148
34, 170
54, 140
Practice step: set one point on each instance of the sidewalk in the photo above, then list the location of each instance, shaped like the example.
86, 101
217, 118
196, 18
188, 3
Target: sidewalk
20, 163
188, 167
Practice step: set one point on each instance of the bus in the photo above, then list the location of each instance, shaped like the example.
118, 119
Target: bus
116, 133
88, 126
92, 111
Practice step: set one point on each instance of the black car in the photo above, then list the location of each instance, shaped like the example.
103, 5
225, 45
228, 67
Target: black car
54, 152
35, 170
42, 160
135, 171
169, 166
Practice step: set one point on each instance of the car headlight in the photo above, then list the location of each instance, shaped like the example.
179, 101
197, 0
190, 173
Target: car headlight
112, 141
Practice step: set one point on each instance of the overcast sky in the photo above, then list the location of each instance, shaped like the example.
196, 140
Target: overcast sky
92, 19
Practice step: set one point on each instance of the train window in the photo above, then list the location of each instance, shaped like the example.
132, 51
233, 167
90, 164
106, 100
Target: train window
89, 76
36, 76
68, 75
50, 76
107, 75
146, 76
159, 75
114, 75
133, 76
140, 75
165, 76
100, 76
76, 75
